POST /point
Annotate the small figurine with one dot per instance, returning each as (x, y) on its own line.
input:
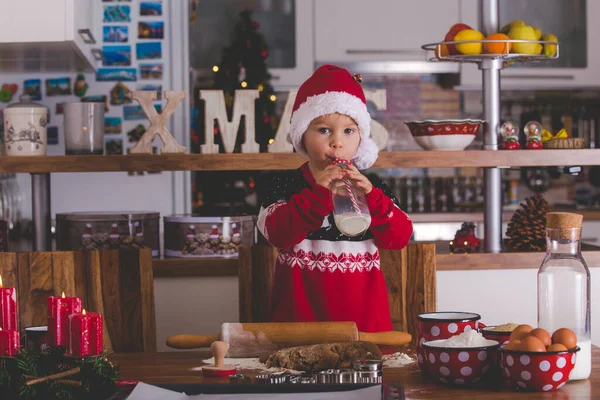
(80, 87)
(465, 240)
(510, 134)
(533, 133)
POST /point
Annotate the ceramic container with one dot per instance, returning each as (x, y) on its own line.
(25, 128)
(537, 371)
(195, 236)
(442, 325)
(108, 230)
(444, 134)
(460, 365)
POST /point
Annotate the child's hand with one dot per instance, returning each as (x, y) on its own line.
(359, 180)
(329, 174)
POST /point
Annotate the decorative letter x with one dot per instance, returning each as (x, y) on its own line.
(158, 121)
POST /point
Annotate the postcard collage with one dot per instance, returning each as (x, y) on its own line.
(134, 56)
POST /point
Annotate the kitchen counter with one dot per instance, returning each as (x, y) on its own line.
(176, 367)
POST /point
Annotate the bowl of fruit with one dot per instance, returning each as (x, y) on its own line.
(534, 360)
(451, 134)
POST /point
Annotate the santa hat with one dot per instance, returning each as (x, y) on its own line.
(330, 90)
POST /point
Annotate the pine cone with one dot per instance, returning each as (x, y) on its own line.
(527, 227)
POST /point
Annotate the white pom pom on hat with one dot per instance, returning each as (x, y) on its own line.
(331, 89)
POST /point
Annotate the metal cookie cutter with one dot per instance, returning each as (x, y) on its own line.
(368, 365)
(329, 376)
(369, 377)
(274, 378)
(239, 378)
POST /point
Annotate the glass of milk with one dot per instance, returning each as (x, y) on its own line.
(350, 211)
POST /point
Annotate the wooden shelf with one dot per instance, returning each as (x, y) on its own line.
(283, 161)
(184, 267)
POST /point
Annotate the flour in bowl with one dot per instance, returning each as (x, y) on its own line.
(471, 338)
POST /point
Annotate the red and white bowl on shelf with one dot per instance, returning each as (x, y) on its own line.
(451, 134)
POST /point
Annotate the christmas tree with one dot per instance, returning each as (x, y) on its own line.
(242, 66)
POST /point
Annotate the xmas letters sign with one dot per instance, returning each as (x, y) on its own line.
(158, 122)
(244, 105)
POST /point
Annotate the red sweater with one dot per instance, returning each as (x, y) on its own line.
(321, 274)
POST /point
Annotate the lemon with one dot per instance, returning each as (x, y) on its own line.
(550, 49)
(506, 28)
(523, 33)
(538, 33)
(469, 48)
(537, 49)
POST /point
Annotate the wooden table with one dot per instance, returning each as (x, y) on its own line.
(175, 367)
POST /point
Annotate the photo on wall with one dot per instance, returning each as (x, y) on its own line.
(116, 56)
(33, 88)
(148, 51)
(112, 125)
(113, 146)
(151, 30)
(150, 8)
(115, 34)
(116, 74)
(133, 113)
(152, 87)
(117, 13)
(151, 71)
(58, 86)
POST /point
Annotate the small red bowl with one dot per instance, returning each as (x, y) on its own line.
(444, 134)
(502, 337)
(537, 371)
(460, 365)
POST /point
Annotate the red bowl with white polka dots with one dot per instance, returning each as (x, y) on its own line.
(537, 371)
(466, 366)
(501, 336)
(443, 325)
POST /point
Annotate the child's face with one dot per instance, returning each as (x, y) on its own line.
(329, 137)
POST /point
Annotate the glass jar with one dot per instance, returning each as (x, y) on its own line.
(564, 287)
(350, 210)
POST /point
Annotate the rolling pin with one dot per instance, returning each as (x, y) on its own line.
(254, 339)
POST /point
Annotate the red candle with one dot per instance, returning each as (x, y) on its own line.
(59, 309)
(8, 308)
(85, 334)
(10, 342)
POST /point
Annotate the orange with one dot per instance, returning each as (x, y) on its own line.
(441, 50)
(497, 47)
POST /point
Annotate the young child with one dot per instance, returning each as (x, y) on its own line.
(322, 275)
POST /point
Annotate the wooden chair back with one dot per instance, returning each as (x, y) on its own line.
(409, 276)
(119, 284)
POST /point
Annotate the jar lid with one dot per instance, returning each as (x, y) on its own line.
(25, 102)
(563, 220)
(107, 215)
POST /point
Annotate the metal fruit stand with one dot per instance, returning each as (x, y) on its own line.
(490, 66)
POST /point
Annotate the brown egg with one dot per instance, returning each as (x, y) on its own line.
(513, 345)
(531, 343)
(566, 337)
(520, 332)
(557, 347)
(543, 335)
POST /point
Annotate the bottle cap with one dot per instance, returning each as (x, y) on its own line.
(565, 222)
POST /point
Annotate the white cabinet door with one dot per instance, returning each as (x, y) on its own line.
(32, 21)
(81, 28)
(530, 76)
(380, 30)
(291, 78)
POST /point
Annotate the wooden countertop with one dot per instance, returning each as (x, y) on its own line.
(175, 367)
(211, 267)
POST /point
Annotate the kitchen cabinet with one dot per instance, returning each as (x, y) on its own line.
(49, 36)
(380, 30)
(573, 21)
(287, 26)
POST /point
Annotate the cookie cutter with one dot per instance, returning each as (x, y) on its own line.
(368, 365)
(239, 378)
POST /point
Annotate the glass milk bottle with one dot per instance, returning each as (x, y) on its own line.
(350, 211)
(564, 287)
